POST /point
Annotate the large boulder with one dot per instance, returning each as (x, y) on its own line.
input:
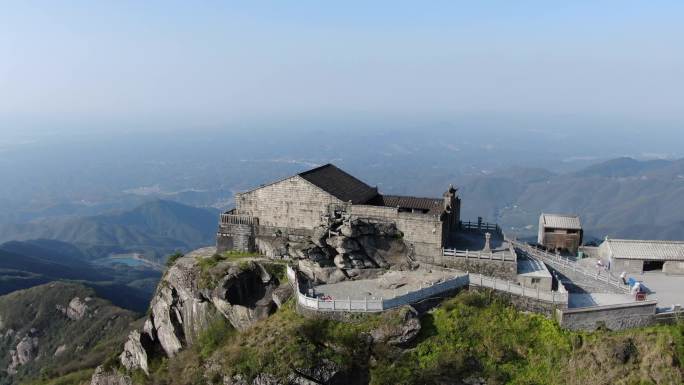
(320, 275)
(23, 353)
(76, 309)
(401, 329)
(272, 246)
(282, 294)
(134, 355)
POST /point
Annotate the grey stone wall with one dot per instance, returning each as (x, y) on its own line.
(422, 232)
(235, 237)
(292, 234)
(613, 317)
(541, 283)
(627, 265)
(523, 303)
(673, 267)
(507, 270)
(224, 242)
(293, 203)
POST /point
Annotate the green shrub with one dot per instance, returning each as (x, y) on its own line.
(214, 336)
(173, 258)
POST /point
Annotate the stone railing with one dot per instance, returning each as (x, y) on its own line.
(671, 314)
(501, 255)
(481, 226)
(559, 297)
(374, 304)
(562, 263)
(457, 281)
(233, 219)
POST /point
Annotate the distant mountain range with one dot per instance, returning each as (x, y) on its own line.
(36, 253)
(622, 197)
(155, 229)
(31, 263)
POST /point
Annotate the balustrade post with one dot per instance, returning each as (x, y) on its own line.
(537, 293)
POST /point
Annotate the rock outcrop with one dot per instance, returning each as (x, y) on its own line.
(134, 355)
(75, 310)
(400, 332)
(341, 249)
(23, 353)
(198, 290)
(104, 377)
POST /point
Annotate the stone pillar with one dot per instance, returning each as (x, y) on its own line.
(487, 246)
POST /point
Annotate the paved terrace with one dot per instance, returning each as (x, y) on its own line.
(666, 289)
(389, 285)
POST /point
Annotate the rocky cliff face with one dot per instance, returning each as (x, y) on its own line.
(198, 290)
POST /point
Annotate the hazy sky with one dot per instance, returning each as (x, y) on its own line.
(207, 63)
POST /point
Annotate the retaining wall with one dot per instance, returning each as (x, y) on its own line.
(523, 303)
(613, 317)
(507, 270)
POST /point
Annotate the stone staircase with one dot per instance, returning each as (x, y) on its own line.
(576, 278)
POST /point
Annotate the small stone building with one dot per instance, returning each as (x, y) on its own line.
(560, 232)
(297, 205)
(636, 256)
(534, 275)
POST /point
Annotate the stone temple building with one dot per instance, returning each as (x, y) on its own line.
(297, 205)
(637, 256)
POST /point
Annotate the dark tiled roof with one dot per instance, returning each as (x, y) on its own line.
(407, 202)
(340, 184)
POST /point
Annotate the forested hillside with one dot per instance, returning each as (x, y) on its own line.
(619, 198)
(56, 329)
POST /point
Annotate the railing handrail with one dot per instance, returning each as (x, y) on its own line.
(471, 279)
(513, 288)
(237, 219)
(501, 255)
(568, 263)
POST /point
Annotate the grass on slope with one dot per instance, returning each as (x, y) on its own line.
(284, 341)
(473, 335)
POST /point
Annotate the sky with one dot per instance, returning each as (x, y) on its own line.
(132, 65)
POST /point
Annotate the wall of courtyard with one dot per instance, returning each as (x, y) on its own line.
(613, 317)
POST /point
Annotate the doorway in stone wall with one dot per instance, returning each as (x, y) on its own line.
(653, 265)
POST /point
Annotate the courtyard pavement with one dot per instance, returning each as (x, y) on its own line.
(597, 299)
(388, 285)
(668, 290)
